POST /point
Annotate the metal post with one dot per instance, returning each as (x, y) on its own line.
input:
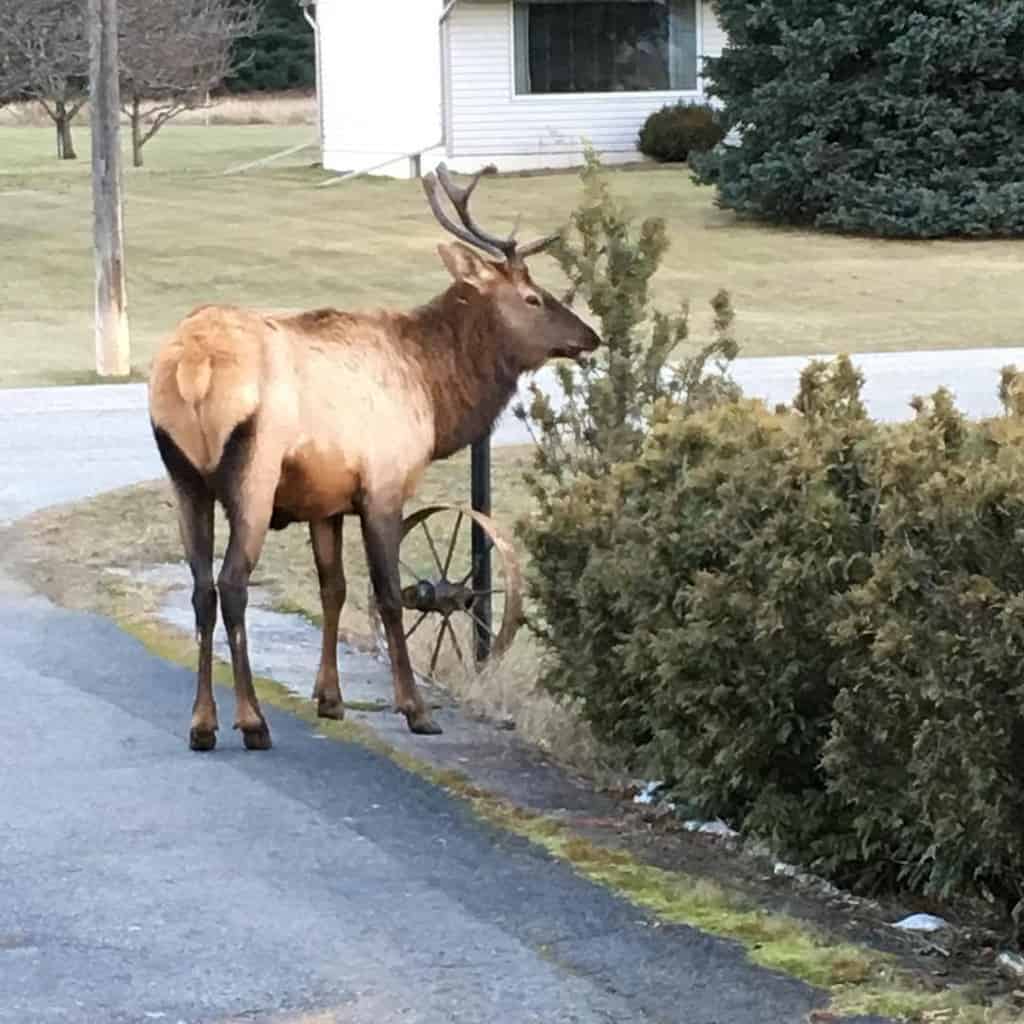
(480, 486)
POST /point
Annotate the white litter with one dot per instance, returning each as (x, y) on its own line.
(711, 828)
(647, 793)
(921, 923)
(1012, 964)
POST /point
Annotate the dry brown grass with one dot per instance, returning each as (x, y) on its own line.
(257, 108)
(89, 555)
(285, 108)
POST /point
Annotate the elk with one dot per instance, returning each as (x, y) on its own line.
(323, 414)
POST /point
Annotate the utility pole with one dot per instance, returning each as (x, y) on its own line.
(113, 349)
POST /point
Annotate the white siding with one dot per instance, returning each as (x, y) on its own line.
(381, 87)
(713, 34)
(486, 119)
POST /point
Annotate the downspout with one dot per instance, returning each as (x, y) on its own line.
(315, 26)
(448, 8)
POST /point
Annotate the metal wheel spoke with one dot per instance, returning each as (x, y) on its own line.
(416, 624)
(433, 546)
(480, 622)
(412, 572)
(437, 646)
(451, 547)
(455, 640)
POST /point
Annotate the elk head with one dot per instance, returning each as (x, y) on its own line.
(535, 325)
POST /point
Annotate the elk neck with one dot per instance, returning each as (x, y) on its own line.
(468, 365)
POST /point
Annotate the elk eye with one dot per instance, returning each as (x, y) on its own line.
(533, 300)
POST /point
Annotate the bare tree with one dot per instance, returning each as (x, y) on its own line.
(45, 58)
(173, 53)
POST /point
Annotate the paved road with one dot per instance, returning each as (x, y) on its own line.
(141, 882)
(103, 435)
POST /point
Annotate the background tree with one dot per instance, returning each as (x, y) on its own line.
(173, 54)
(279, 55)
(45, 48)
(893, 117)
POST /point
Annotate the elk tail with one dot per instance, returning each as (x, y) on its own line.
(193, 377)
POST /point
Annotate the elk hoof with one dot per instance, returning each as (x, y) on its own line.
(422, 724)
(330, 707)
(202, 739)
(257, 739)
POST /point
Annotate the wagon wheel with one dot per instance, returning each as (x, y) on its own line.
(440, 606)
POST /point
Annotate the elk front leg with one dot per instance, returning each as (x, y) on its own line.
(382, 535)
(325, 537)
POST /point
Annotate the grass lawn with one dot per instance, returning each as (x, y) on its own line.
(269, 238)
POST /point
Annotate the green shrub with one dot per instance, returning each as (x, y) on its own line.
(927, 744)
(670, 134)
(806, 621)
(889, 117)
(602, 423)
(703, 604)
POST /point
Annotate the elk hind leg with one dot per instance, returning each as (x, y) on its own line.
(382, 535)
(195, 521)
(325, 536)
(246, 480)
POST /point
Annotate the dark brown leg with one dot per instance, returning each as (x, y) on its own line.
(325, 536)
(195, 521)
(248, 479)
(382, 534)
(195, 518)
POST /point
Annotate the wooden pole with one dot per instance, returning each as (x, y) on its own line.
(113, 349)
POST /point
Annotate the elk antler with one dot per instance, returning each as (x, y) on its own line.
(504, 248)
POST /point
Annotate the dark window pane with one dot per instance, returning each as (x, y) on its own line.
(605, 46)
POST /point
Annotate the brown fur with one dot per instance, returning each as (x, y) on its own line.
(349, 401)
(310, 417)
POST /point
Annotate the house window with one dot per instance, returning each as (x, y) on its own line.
(605, 45)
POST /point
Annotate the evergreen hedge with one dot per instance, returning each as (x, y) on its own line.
(280, 55)
(890, 117)
(807, 621)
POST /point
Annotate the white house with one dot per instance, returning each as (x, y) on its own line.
(522, 84)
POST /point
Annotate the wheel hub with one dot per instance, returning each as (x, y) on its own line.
(438, 596)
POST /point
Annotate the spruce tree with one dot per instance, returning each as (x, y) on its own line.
(891, 117)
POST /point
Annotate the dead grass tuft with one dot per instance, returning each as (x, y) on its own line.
(284, 108)
(106, 541)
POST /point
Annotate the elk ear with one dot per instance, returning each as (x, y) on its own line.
(465, 265)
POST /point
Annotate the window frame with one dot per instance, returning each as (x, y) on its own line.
(563, 97)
